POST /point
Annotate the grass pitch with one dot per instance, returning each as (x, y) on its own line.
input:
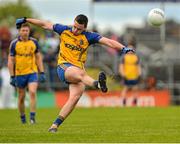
(95, 125)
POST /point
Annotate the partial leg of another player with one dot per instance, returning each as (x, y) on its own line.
(135, 89)
(32, 87)
(21, 106)
(123, 95)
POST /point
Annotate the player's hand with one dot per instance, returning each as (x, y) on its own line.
(42, 77)
(126, 49)
(13, 81)
(20, 21)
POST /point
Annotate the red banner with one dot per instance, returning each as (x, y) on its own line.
(113, 99)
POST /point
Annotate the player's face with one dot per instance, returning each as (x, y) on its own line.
(24, 32)
(130, 52)
(78, 28)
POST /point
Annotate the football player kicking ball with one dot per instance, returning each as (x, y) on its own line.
(75, 41)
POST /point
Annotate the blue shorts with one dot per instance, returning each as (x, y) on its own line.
(131, 82)
(23, 80)
(61, 71)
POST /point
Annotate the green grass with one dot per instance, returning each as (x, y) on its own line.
(95, 125)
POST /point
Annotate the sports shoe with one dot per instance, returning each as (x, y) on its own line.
(102, 82)
(53, 128)
(32, 121)
(23, 121)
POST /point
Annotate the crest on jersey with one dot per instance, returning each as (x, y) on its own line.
(81, 42)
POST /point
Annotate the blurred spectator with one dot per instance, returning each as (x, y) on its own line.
(7, 91)
(49, 45)
(151, 83)
(130, 70)
(5, 38)
(94, 28)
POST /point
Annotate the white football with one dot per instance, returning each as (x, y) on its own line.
(156, 17)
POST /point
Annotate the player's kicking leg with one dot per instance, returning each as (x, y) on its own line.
(76, 77)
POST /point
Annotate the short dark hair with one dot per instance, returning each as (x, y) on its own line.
(26, 25)
(82, 19)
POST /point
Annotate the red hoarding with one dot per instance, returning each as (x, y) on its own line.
(113, 99)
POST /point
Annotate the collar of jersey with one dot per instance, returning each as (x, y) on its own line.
(19, 38)
(72, 28)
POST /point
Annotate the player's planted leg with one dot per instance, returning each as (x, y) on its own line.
(23, 119)
(21, 105)
(75, 92)
(56, 124)
(32, 92)
(32, 117)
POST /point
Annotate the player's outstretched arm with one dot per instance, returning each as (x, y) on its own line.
(111, 43)
(44, 24)
(114, 44)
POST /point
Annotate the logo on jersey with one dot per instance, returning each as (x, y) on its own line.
(72, 47)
